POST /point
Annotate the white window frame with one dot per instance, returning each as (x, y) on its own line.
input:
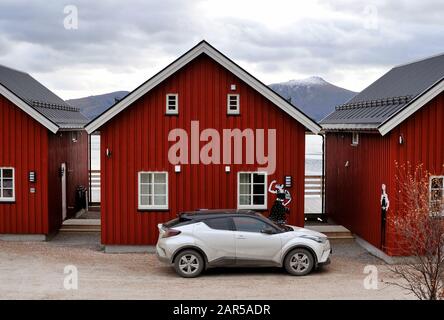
(431, 189)
(139, 195)
(237, 111)
(253, 206)
(176, 110)
(355, 138)
(2, 198)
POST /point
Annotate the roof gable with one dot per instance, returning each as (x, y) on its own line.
(392, 98)
(38, 101)
(204, 48)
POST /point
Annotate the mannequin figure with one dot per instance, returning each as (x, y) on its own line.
(279, 209)
(385, 204)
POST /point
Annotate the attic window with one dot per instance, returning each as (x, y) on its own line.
(233, 104)
(355, 139)
(172, 103)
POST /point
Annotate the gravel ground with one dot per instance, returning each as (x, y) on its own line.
(35, 270)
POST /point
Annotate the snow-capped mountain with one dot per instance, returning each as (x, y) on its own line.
(315, 96)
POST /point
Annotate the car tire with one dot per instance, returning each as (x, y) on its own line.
(189, 264)
(299, 262)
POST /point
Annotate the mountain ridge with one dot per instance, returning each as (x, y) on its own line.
(315, 96)
(93, 106)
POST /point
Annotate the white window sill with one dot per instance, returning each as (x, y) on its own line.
(152, 208)
(252, 207)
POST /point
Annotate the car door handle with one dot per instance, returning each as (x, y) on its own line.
(241, 237)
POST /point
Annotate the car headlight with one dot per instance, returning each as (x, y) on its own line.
(315, 238)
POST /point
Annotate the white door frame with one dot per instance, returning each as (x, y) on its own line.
(63, 181)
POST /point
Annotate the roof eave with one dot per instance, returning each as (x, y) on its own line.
(51, 126)
(349, 127)
(411, 108)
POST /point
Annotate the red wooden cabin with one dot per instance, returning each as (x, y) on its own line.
(203, 89)
(397, 119)
(39, 133)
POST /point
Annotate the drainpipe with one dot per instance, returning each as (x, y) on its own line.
(323, 179)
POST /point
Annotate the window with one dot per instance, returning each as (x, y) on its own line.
(437, 195)
(153, 190)
(252, 190)
(172, 103)
(249, 224)
(219, 223)
(7, 185)
(355, 138)
(233, 104)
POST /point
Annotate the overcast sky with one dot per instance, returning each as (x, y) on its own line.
(119, 44)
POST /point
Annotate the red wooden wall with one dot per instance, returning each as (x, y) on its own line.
(138, 140)
(353, 193)
(423, 136)
(75, 154)
(24, 146)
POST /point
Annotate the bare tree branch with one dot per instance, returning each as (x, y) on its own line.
(418, 227)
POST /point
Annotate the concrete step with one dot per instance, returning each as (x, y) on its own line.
(333, 232)
(81, 225)
(78, 230)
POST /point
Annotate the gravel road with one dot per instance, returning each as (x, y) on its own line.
(35, 270)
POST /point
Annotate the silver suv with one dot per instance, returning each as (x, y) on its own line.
(202, 239)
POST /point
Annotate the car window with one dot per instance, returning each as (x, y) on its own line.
(219, 223)
(249, 224)
(178, 222)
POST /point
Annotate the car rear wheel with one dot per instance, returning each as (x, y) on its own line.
(189, 264)
(299, 262)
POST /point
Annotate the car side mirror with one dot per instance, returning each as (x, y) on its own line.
(268, 230)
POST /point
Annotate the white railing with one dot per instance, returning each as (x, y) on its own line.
(94, 186)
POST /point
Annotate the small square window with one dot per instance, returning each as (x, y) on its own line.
(252, 190)
(153, 190)
(7, 185)
(172, 103)
(355, 138)
(233, 104)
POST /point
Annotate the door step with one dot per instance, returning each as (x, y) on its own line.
(333, 232)
(81, 225)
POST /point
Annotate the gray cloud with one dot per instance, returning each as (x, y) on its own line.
(127, 37)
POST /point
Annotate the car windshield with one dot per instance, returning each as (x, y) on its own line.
(282, 228)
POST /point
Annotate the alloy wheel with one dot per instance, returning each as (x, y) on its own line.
(299, 262)
(189, 264)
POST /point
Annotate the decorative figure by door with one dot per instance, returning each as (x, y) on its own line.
(279, 209)
(385, 204)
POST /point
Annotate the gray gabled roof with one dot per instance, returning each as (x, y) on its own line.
(41, 99)
(388, 96)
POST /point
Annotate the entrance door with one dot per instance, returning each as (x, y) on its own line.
(63, 177)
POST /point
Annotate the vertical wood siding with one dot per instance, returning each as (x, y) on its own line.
(138, 140)
(75, 154)
(24, 146)
(353, 194)
(423, 136)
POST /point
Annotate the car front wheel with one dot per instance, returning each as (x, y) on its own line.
(299, 262)
(189, 264)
